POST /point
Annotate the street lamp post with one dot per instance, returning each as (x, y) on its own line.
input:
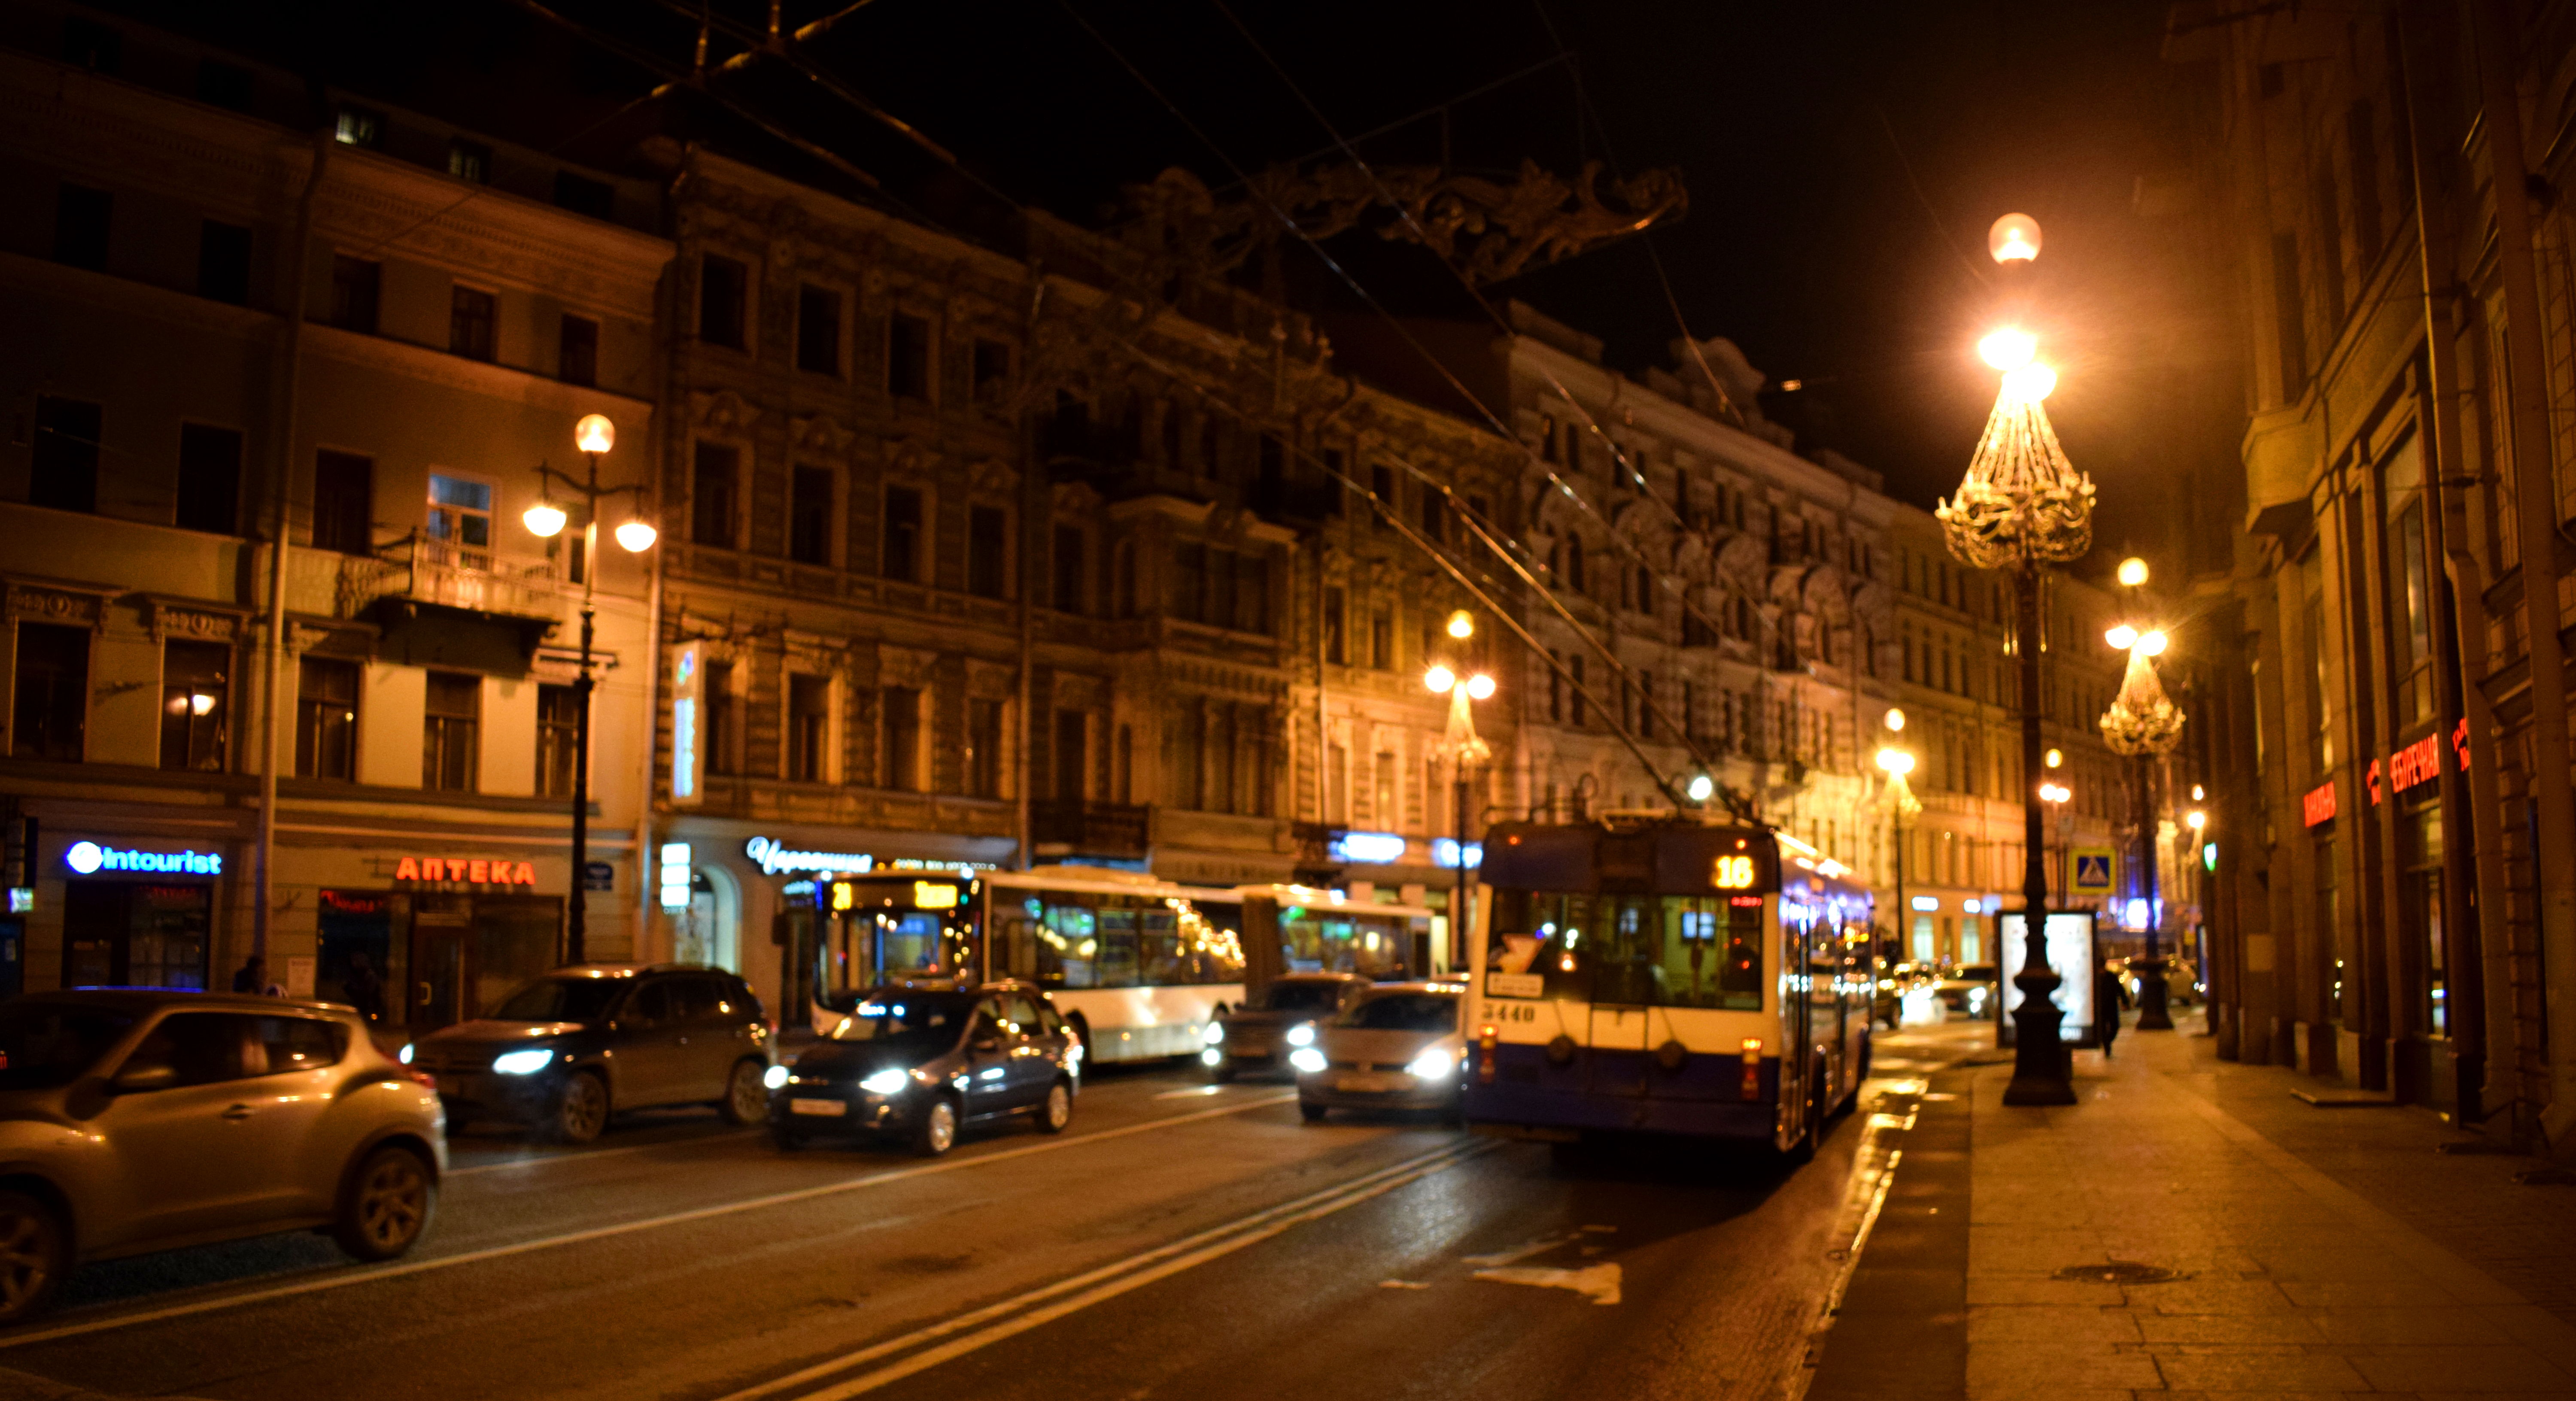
(2022, 507)
(1901, 804)
(2143, 723)
(1465, 750)
(595, 436)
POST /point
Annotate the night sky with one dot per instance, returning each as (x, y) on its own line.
(1843, 163)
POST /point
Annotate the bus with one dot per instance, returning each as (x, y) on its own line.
(1138, 965)
(1663, 975)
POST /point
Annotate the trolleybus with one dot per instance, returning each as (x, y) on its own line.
(1661, 975)
(1140, 966)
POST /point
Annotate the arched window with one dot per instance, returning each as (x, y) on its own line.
(1574, 565)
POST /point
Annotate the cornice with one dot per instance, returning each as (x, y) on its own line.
(472, 376)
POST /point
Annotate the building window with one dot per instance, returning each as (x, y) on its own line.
(326, 719)
(711, 495)
(722, 288)
(724, 711)
(992, 372)
(2289, 314)
(1336, 646)
(1382, 640)
(899, 756)
(1645, 726)
(209, 496)
(469, 323)
(223, 262)
(583, 195)
(577, 351)
(1070, 595)
(1385, 795)
(908, 358)
(65, 459)
(1382, 486)
(902, 556)
(1072, 756)
(449, 732)
(362, 127)
(818, 330)
(809, 727)
(984, 748)
(809, 515)
(1435, 516)
(81, 217)
(225, 85)
(460, 515)
(344, 502)
(470, 161)
(50, 711)
(988, 550)
(197, 715)
(1572, 579)
(558, 739)
(1577, 712)
(356, 292)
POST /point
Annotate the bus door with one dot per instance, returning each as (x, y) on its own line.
(1623, 955)
(1797, 1014)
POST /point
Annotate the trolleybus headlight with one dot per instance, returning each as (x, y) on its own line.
(1215, 1033)
(886, 1082)
(1302, 1034)
(775, 1077)
(521, 1062)
(1434, 1064)
(1308, 1060)
(1211, 1057)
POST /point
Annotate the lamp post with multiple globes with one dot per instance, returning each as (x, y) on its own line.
(1465, 750)
(2143, 724)
(595, 436)
(2021, 508)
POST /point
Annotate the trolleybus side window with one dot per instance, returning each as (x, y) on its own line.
(1640, 950)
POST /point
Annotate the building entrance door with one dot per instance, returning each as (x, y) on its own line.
(439, 927)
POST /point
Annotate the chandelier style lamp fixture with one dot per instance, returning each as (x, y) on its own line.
(2144, 724)
(2021, 508)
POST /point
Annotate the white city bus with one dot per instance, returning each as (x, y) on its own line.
(1658, 974)
(1140, 966)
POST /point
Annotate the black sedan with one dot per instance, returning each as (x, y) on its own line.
(919, 1064)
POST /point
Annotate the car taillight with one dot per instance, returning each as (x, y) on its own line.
(1486, 1039)
(1752, 1068)
(424, 1077)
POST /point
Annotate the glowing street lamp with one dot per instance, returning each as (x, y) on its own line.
(2133, 572)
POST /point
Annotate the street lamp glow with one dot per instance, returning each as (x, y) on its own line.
(637, 536)
(594, 433)
(2152, 643)
(1701, 786)
(2030, 383)
(1462, 625)
(1895, 720)
(1480, 687)
(545, 519)
(2013, 238)
(2122, 637)
(2197, 793)
(1439, 679)
(2197, 819)
(2133, 572)
(2055, 792)
(2009, 348)
(2056, 758)
(1896, 761)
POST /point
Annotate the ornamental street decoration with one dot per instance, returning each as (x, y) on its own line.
(2142, 719)
(2022, 502)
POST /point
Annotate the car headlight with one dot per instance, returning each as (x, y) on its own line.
(1214, 1034)
(1307, 1059)
(774, 1078)
(1434, 1064)
(1302, 1034)
(404, 1055)
(887, 1082)
(522, 1062)
(1211, 1057)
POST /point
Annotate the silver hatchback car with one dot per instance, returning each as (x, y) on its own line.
(135, 1121)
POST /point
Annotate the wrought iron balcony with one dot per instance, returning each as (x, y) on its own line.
(1069, 827)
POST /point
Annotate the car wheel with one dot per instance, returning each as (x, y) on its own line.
(746, 1100)
(937, 1131)
(35, 1253)
(386, 1205)
(1057, 1112)
(1314, 1113)
(581, 1109)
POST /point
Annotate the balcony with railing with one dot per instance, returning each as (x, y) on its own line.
(1071, 827)
(420, 569)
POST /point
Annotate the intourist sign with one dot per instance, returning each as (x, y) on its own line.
(479, 871)
(86, 858)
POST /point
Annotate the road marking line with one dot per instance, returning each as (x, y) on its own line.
(1194, 1092)
(1599, 1283)
(1124, 1277)
(589, 1156)
(366, 1275)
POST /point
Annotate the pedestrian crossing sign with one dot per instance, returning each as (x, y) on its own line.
(2092, 871)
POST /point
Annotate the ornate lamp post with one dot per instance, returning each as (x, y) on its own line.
(1901, 805)
(594, 435)
(2143, 723)
(1466, 751)
(2021, 508)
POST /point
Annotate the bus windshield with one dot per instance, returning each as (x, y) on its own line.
(1632, 950)
(887, 933)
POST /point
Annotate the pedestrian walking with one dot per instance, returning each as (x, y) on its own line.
(253, 977)
(2106, 1008)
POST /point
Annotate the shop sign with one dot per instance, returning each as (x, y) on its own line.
(675, 875)
(2317, 805)
(599, 876)
(2417, 763)
(471, 872)
(1445, 850)
(774, 857)
(22, 899)
(688, 736)
(88, 857)
(1369, 848)
(1926, 903)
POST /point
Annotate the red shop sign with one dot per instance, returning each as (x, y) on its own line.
(2420, 762)
(2318, 803)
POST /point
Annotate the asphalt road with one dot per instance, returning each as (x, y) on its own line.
(1181, 1241)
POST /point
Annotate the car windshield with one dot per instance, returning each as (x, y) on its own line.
(46, 1045)
(920, 1020)
(561, 1000)
(1287, 996)
(1405, 1011)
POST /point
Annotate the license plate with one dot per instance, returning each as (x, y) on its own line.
(829, 1108)
(1363, 1084)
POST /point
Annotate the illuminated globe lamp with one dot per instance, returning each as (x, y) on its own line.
(2143, 723)
(2014, 238)
(1465, 750)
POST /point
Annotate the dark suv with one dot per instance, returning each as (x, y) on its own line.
(567, 1050)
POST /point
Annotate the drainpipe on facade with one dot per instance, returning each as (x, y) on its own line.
(2468, 787)
(2535, 505)
(290, 357)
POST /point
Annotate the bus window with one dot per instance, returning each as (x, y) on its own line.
(1544, 934)
(1211, 944)
(1072, 937)
(1623, 952)
(1633, 950)
(1117, 964)
(1159, 952)
(1713, 953)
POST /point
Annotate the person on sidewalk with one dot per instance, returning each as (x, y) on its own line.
(2106, 1007)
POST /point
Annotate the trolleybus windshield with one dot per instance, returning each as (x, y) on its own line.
(1630, 950)
(891, 930)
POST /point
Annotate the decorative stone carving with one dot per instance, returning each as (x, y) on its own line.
(176, 620)
(721, 411)
(820, 433)
(36, 603)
